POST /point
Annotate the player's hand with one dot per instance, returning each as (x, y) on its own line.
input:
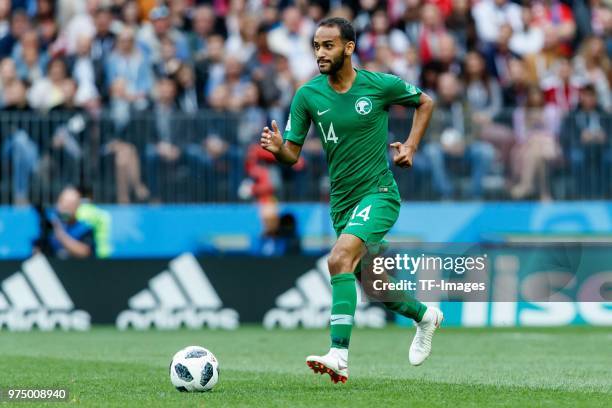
(403, 155)
(271, 139)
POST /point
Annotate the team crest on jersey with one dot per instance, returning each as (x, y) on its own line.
(363, 106)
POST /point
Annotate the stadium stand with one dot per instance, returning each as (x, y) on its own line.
(145, 101)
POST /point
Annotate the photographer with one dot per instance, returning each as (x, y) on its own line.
(61, 234)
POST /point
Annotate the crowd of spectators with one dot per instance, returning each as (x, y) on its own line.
(140, 86)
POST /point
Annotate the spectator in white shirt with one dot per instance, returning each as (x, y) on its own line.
(293, 40)
(81, 24)
(490, 15)
(85, 71)
(528, 40)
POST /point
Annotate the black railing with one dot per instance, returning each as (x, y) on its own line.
(213, 157)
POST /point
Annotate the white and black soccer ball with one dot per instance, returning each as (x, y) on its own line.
(194, 369)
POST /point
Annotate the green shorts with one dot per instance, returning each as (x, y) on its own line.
(371, 218)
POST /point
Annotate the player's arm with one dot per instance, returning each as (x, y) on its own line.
(286, 148)
(422, 114)
(286, 152)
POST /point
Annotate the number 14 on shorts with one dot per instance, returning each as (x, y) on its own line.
(364, 214)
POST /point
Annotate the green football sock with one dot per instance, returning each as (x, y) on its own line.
(410, 307)
(344, 302)
(404, 304)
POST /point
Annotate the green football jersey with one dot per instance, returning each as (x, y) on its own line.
(353, 129)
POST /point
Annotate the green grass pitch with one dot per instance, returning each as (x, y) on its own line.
(469, 367)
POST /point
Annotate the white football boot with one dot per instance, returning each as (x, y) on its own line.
(334, 363)
(420, 348)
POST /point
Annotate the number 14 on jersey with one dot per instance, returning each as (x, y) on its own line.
(330, 135)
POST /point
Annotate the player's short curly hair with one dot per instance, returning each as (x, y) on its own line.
(347, 32)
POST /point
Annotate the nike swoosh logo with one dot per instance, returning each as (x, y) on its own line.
(322, 113)
(350, 224)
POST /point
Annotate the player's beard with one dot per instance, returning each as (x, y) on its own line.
(335, 65)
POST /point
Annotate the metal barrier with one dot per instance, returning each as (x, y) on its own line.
(213, 157)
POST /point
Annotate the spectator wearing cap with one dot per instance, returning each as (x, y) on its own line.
(160, 26)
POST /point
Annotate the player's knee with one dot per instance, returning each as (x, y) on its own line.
(341, 261)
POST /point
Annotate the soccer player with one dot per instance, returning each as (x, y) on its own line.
(349, 108)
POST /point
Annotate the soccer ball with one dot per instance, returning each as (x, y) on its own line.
(194, 369)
